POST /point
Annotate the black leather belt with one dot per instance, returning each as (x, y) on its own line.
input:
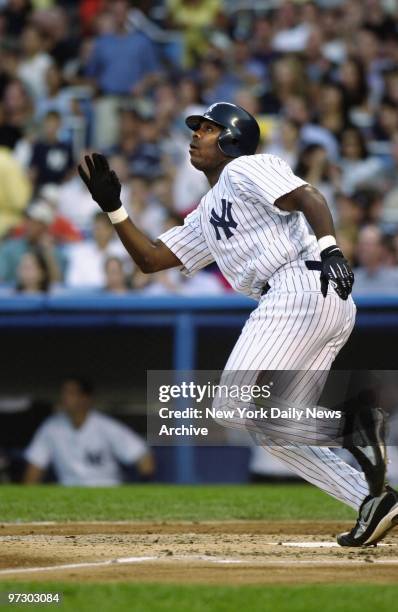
(310, 265)
(314, 265)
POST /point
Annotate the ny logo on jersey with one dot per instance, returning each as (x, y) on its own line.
(94, 457)
(225, 221)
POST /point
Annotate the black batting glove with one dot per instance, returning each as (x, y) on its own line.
(102, 182)
(336, 271)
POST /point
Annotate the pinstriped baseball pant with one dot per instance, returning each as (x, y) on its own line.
(295, 328)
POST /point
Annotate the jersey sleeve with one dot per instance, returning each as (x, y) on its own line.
(188, 244)
(264, 179)
(39, 451)
(127, 446)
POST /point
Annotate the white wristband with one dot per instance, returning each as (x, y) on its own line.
(326, 241)
(119, 215)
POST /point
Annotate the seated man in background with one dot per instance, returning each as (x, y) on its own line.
(84, 446)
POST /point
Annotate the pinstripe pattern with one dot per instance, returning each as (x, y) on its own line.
(293, 327)
(266, 241)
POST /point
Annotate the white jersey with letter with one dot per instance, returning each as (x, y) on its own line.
(238, 225)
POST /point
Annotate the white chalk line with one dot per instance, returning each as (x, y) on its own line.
(119, 561)
(188, 558)
(22, 524)
(72, 523)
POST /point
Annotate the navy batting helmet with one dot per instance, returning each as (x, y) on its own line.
(241, 133)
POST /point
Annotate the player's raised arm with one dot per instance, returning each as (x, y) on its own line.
(335, 268)
(104, 186)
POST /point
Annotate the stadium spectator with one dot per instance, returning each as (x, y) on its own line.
(165, 106)
(248, 99)
(189, 93)
(373, 274)
(115, 275)
(391, 85)
(332, 109)
(57, 99)
(9, 59)
(286, 142)
(38, 219)
(261, 42)
(15, 187)
(196, 19)
(122, 62)
(33, 274)
(62, 39)
(250, 71)
(390, 184)
(85, 261)
(76, 205)
(148, 211)
(368, 48)
(287, 80)
(358, 168)
(35, 62)
(83, 446)
(314, 167)
(216, 82)
(148, 159)
(371, 202)
(18, 106)
(128, 138)
(61, 229)
(291, 34)
(317, 65)
(52, 159)
(352, 76)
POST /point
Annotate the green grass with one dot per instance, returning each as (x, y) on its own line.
(168, 502)
(158, 502)
(175, 598)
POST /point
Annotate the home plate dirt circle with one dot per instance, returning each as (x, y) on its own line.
(230, 552)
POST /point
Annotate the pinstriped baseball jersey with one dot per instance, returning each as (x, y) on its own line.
(238, 225)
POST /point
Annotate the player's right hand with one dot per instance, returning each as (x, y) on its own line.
(337, 271)
(102, 182)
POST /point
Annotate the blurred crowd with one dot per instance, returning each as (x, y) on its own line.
(120, 77)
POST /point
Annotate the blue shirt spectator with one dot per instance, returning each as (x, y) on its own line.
(119, 62)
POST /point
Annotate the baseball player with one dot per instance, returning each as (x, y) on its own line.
(252, 222)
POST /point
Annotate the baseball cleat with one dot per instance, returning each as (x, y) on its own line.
(377, 515)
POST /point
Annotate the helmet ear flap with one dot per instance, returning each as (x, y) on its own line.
(228, 143)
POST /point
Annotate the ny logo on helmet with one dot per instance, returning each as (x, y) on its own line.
(225, 221)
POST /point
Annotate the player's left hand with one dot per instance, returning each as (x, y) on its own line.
(102, 182)
(337, 271)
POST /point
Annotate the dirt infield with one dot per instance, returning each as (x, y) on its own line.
(239, 552)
